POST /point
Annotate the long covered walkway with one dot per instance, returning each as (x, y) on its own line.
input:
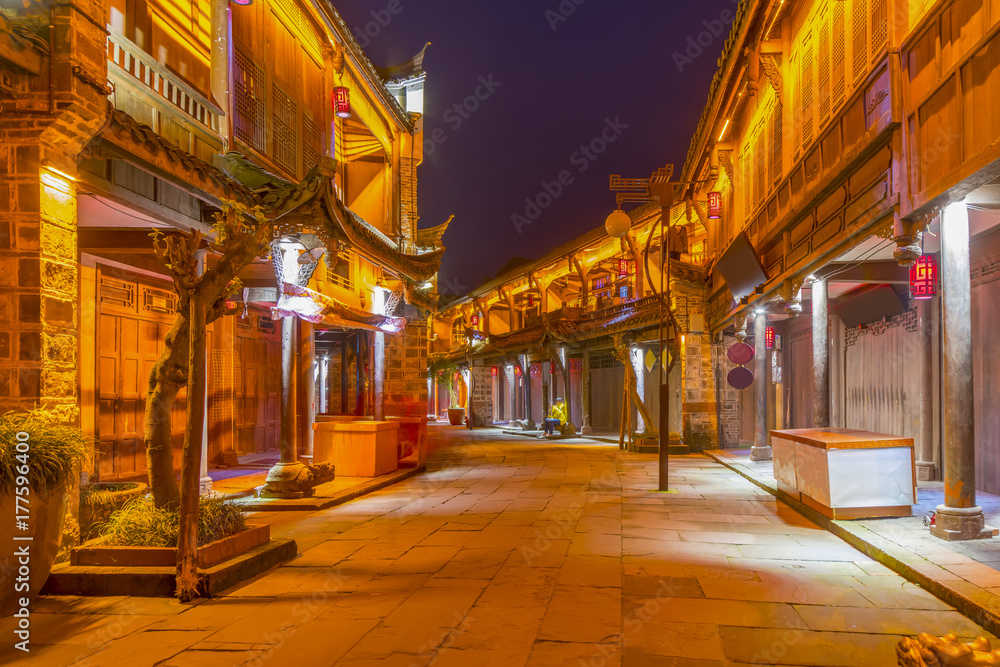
(513, 552)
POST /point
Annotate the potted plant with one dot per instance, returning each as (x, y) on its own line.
(40, 459)
(98, 502)
(443, 372)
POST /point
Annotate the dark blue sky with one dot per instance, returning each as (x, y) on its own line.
(550, 82)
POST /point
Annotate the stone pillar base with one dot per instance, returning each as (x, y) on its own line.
(926, 472)
(961, 523)
(587, 430)
(760, 453)
(205, 486)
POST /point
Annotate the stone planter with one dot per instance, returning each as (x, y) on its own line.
(456, 416)
(112, 497)
(208, 554)
(45, 515)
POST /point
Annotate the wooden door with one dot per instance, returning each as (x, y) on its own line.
(257, 386)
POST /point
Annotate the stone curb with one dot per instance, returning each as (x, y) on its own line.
(906, 564)
(315, 504)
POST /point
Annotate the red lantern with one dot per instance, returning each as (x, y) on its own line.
(923, 277)
(623, 268)
(474, 320)
(531, 301)
(714, 205)
(517, 371)
(493, 371)
(230, 305)
(243, 3)
(769, 338)
(342, 102)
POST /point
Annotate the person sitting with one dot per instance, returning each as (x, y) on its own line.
(556, 418)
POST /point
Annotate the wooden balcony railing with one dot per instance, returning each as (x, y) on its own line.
(145, 89)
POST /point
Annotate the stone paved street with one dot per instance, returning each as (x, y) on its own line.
(515, 552)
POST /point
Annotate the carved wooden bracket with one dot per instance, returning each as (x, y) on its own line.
(772, 68)
(726, 160)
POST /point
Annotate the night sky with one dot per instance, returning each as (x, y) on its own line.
(552, 76)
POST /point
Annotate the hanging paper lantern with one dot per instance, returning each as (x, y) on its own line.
(714, 205)
(923, 277)
(769, 338)
(618, 224)
(531, 301)
(517, 371)
(474, 320)
(493, 371)
(623, 268)
(342, 102)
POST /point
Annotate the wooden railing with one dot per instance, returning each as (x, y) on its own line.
(131, 67)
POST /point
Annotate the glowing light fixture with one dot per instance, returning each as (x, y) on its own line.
(342, 102)
(243, 3)
(517, 371)
(474, 319)
(923, 277)
(623, 268)
(714, 205)
(618, 223)
(493, 371)
(724, 128)
(769, 338)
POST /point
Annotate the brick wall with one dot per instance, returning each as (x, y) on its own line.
(406, 370)
(38, 252)
(408, 214)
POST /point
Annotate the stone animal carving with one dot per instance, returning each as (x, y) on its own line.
(929, 651)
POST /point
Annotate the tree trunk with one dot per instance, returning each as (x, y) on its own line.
(187, 539)
(165, 381)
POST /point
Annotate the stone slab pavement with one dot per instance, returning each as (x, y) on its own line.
(523, 552)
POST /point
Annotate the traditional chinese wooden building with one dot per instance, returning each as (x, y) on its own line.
(549, 329)
(855, 146)
(131, 116)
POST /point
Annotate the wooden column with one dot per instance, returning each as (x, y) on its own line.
(288, 389)
(760, 451)
(511, 393)
(564, 357)
(378, 359)
(205, 482)
(959, 518)
(585, 427)
(926, 467)
(359, 374)
(526, 376)
(821, 355)
(344, 367)
(306, 391)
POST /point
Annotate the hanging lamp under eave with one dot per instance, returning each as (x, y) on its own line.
(924, 277)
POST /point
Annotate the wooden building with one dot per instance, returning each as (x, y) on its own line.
(153, 123)
(848, 139)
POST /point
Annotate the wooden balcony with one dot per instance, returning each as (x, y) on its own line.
(155, 96)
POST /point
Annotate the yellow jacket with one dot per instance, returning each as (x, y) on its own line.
(558, 411)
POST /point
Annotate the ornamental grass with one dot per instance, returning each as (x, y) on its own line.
(49, 452)
(141, 524)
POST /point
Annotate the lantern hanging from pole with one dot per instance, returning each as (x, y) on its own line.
(531, 301)
(623, 268)
(243, 3)
(517, 371)
(769, 338)
(474, 319)
(342, 102)
(923, 277)
(618, 224)
(714, 205)
(493, 371)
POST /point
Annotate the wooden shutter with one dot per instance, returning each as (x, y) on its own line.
(249, 95)
(823, 67)
(837, 55)
(859, 24)
(760, 162)
(284, 129)
(806, 77)
(880, 27)
(777, 131)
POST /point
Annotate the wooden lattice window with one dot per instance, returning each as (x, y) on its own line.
(806, 78)
(249, 108)
(823, 73)
(880, 27)
(760, 163)
(860, 33)
(837, 50)
(312, 143)
(777, 132)
(285, 122)
(748, 179)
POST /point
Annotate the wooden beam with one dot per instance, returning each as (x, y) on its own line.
(883, 272)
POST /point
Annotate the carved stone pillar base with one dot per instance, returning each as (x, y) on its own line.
(961, 523)
(287, 480)
(760, 453)
(204, 486)
(587, 430)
